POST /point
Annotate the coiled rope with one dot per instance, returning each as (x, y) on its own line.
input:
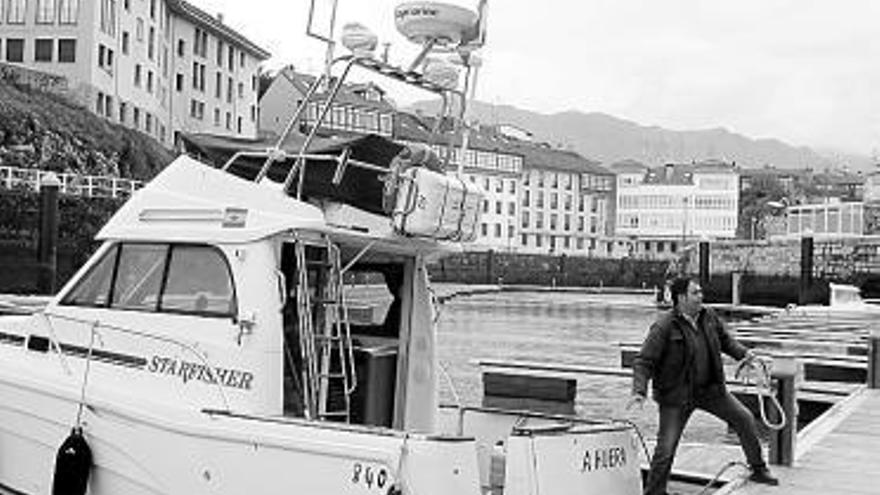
(763, 389)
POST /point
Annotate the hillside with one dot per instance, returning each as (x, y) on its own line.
(609, 139)
(46, 131)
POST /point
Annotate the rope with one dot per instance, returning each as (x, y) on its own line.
(452, 389)
(708, 485)
(718, 475)
(82, 392)
(763, 388)
(405, 486)
(128, 331)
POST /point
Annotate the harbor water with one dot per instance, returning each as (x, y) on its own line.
(556, 328)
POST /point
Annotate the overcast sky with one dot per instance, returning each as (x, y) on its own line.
(804, 71)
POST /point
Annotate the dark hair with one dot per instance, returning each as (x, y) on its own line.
(678, 287)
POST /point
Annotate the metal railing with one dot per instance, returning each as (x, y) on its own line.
(90, 186)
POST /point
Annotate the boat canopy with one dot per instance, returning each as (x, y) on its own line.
(335, 178)
(193, 202)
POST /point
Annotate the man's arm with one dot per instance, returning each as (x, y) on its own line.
(647, 358)
(729, 344)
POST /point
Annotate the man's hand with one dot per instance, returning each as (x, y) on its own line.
(752, 359)
(636, 401)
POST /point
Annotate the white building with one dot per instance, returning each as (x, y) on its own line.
(159, 66)
(658, 210)
(831, 218)
(566, 200)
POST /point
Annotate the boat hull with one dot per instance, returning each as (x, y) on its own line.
(164, 451)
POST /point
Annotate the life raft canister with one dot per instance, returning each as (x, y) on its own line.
(72, 465)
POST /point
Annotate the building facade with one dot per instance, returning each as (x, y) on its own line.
(158, 66)
(565, 202)
(658, 210)
(357, 109)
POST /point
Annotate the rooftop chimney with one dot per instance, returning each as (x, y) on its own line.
(668, 169)
(220, 17)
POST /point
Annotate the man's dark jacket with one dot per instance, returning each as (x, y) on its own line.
(667, 356)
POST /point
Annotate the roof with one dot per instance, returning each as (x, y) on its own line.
(678, 174)
(195, 14)
(193, 202)
(628, 166)
(410, 127)
(537, 155)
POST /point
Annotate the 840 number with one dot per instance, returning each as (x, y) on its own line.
(369, 476)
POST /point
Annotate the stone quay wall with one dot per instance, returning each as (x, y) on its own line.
(547, 270)
(849, 260)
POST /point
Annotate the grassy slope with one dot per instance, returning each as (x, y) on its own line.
(67, 137)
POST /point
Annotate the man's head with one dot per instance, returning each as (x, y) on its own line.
(687, 295)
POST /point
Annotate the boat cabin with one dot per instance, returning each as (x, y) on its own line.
(229, 294)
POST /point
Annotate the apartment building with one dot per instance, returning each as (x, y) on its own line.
(566, 200)
(159, 66)
(660, 209)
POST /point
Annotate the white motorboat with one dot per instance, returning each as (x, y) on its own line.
(208, 347)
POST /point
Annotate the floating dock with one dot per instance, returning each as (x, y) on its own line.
(836, 454)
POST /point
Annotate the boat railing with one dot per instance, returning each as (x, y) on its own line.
(95, 325)
(297, 171)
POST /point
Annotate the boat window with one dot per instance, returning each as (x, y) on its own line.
(94, 288)
(198, 282)
(177, 278)
(139, 276)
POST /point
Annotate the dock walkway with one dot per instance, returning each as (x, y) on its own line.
(838, 454)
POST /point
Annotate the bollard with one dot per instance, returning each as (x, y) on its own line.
(806, 281)
(704, 265)
(874, 358)
(490, 266)
(782, 442)
(47, 244)
(735, 287)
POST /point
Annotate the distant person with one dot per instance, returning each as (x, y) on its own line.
(682, 357)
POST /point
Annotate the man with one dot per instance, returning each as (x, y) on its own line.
(682, 357)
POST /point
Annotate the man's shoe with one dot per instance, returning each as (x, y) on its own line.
(762, 475)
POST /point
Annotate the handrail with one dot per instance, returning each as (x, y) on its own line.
(91, 186)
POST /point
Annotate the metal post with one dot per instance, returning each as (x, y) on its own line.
(806, 281)
(874, 358)
(704, 265)
(735, 287)
(47, 245)
(490, 268)
(782, 442)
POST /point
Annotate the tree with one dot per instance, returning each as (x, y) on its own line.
(756, 202)
(264, 82)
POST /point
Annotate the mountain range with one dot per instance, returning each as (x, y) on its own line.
(608, 139)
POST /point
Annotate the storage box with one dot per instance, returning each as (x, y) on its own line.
(440, 206)
(376, 364)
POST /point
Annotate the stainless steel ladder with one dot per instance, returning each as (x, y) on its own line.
(325, 339)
